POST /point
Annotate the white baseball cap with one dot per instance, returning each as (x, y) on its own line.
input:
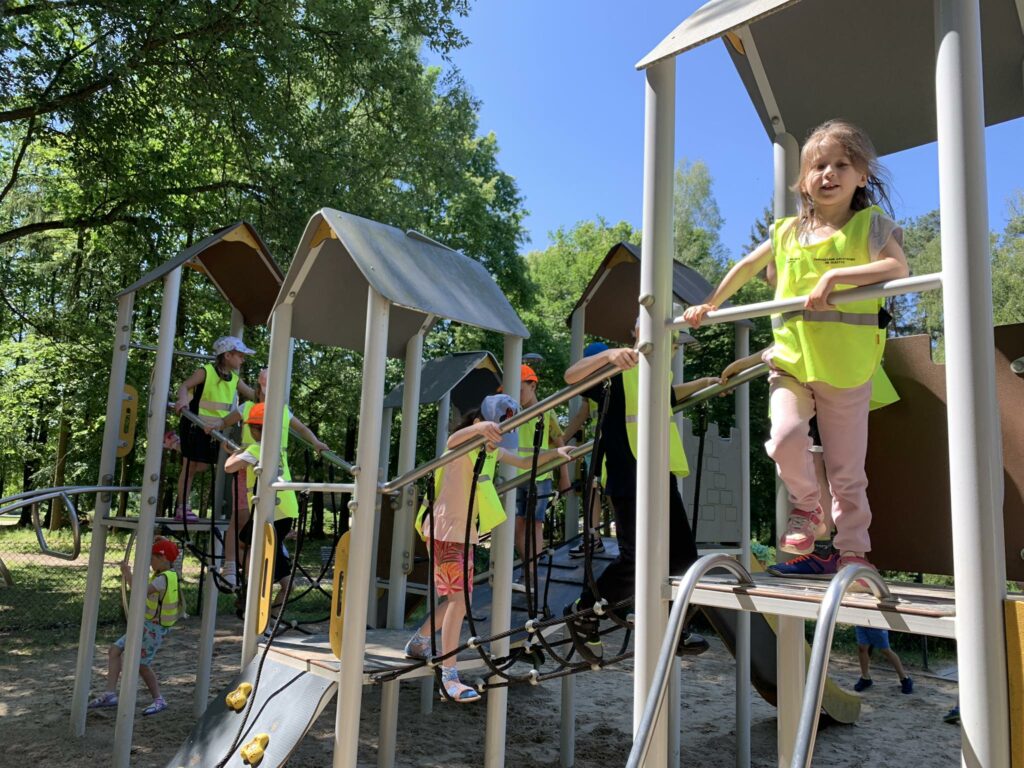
(230, 344)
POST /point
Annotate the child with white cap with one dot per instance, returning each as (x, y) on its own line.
(446, 531)
(210, 393)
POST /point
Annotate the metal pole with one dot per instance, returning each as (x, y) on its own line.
(401, 540)
(567, 729)
(502, 543)
(98, 547)
(790, 655)
(444, 415)
(278, 387)
(743, 693)
(147, 514)
(387, 420)
(975, 455)
(350, 673)
(652, 493)
(572, 501)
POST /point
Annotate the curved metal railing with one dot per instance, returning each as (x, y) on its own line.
(666, 656)
(803, 748)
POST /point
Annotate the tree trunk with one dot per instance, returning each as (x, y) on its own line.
(57, 505)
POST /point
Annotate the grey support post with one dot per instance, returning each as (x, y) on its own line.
(444, 408)
(144, 538)
(652, 500)
(791, 657)
(350, 673)
(974, 437)
(502, 543)
(278, 387)
(401, 539)
(98, 547)
(387, 421)
(743, 692)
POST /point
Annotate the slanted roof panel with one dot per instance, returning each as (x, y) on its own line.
(469, 376)
(612, 294)
(341, 255)
(238, 264)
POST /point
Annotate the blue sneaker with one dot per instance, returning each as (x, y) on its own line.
(907, 684)
(863, 684)
(953, 716)
(810, 566)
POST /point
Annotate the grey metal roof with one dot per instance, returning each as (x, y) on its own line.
(469, 376)
(341, 255)
(612, 302)
(238, 264)
(884, 78)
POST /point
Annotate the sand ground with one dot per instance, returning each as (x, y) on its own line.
(36, 686)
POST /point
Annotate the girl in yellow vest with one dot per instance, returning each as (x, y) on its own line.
(210, 392)
(163, 607)
(825, 355)
(453, 556)
(240, 518)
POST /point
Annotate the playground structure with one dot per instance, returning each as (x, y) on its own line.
(342, 259)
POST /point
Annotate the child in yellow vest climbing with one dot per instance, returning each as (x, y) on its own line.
(210, 393)
(286, 511)
(163, 607)
(824, 355)
(444, 529)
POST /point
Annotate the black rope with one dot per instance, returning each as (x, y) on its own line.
(702, 425)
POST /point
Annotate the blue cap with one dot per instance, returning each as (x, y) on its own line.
(497, 408)
(594, 348)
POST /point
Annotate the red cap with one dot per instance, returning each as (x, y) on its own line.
(526, 373)
(166, 548)
(256, 415)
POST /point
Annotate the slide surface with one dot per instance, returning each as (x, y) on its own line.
(284, 706)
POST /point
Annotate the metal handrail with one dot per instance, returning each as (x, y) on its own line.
(803, 748)
(700, 396)
(666, 656)
(45, 494)
(914, 284)
(525, 415)
(215, 433)
(76, 544)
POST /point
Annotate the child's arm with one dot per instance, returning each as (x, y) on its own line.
(564, 485)
(238, 461)
(576, 422)
(307, 434)
(228, 421)
(622, 357)
(687, 388)
(738, 366)
(197, 379)
(736, 278)
(246, 391)
(157, 586)
(891, 264)
(488, 429)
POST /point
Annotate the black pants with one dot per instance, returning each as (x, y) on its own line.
(618, 581)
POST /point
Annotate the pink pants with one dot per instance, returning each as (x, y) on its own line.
(843, 426)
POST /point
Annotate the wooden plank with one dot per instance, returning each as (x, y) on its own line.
(1014, 609)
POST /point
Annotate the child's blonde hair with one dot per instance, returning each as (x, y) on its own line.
(862, 154)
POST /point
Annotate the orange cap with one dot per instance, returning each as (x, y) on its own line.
(256, 415)
(526, 373)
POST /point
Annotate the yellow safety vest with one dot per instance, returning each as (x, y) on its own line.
(631, 387)
(164, 609)
(883, 393)
(843, 346)
(247, 438)
(525, 435)
(487, 507)
(218, 396)
(287, 503)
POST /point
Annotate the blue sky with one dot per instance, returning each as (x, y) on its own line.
(558, 86)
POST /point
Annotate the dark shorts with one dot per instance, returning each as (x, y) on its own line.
(876, 638)
(543, 498)
(196, 444)
(282, 560)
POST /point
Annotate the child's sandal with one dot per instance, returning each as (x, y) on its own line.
(459, 692)
(158, 705)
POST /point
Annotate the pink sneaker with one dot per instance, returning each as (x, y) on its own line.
(860, 585)
(186, 515)
(802, 529)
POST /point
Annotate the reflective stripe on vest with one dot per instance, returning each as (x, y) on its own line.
(526, 440)
(164, 609)
(487, 507)
(631, 388)
(218, 395)
(286, 502)
(841, 347)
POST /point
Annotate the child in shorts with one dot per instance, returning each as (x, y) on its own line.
(867, 639)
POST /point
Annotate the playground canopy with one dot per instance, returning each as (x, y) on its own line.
(237, 263)
(468, 376)
(785, 50)
(342, 255)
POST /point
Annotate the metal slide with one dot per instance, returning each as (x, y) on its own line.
(283, 706)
